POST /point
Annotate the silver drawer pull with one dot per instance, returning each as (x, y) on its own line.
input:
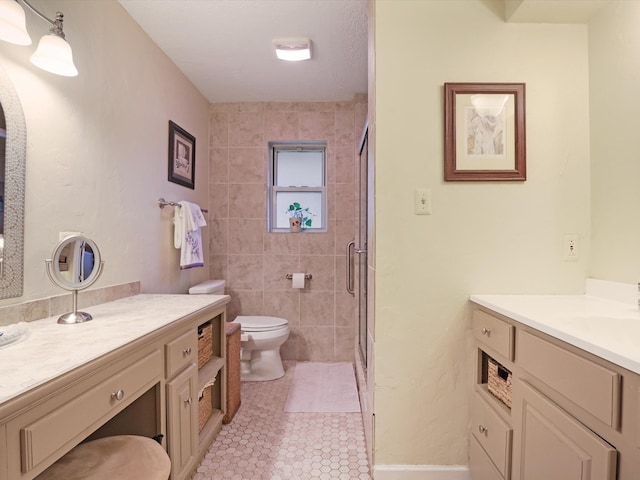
(188, 401)
(187, 351)
(485, 331)
(119, 395)
(482, 429)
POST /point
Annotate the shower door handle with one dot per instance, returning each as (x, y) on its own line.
(351, 244)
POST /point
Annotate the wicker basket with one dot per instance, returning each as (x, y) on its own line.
(205, 408)
(205, 344)
(499, 381)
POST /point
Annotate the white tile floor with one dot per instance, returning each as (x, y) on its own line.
(265, 443)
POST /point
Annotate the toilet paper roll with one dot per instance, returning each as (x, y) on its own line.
(297, 280)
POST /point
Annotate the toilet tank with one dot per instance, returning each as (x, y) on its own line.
(208, 287)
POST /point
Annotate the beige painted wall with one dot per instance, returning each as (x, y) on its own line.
(97, 148)
(614, 63)
(482, 237)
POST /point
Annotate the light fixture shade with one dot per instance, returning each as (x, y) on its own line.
(293, 49)
(13, 28)
(54, 55)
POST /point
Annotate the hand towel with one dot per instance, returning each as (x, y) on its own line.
(187, 220)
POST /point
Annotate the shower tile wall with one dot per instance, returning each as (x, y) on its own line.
(254, 262)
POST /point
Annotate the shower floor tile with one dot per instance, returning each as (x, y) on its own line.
(265, 443)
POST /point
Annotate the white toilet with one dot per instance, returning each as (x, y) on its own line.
(260, 340)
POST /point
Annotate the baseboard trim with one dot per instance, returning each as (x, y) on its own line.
(421, 472)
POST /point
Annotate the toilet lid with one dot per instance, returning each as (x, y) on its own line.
(260, 323)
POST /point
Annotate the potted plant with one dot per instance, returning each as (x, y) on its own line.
(299, 217)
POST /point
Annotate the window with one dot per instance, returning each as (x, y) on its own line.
(297, 186)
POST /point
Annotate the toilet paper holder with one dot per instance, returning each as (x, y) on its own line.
(307, 276)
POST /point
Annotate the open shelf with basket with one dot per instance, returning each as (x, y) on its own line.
(211, 377)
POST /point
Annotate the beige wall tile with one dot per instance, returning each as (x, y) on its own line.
(319, 243)
(250, 251)
(322, 267)
(246, 129)
(284, 243)
(316, 308)
(245, 236)
(219, 130)
(346, 200)
(316, 126)
(346, 309)
(247, 200)
(276, 267)
(281, 125)
(245, 272)
(315, 343)
(218, 200)
(284, 304)
(218, 268)
(345, 164)
(345, 120)
(244, 302)
(219, 165)
(248, 165)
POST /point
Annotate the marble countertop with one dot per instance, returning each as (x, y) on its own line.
(605, 325)
(49, 349)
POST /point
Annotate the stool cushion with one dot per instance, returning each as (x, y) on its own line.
(122, 457)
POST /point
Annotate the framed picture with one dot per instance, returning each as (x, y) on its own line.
(182, 156)
(484, 131)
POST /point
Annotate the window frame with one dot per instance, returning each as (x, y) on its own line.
(273, 190)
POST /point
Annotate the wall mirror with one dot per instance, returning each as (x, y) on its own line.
(76, 264)
(13, 141)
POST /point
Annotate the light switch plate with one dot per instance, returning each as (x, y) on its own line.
(422, 201)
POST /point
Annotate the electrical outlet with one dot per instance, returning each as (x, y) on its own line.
(570, 250)
(63, 235)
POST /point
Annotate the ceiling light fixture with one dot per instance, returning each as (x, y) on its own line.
(293, 49)
(53, 53)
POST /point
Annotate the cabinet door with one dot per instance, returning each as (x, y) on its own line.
(182, 422)
(553, 445)
(479, 464)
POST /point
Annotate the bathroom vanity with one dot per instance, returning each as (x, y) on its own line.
(133, 369)
(570, 368)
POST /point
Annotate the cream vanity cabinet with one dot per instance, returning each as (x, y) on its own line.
(182, 413)
(573, 415)
(147, 386)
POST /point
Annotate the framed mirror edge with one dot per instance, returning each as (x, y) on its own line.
(12, 278)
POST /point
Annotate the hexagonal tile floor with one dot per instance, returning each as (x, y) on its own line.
(264, 443)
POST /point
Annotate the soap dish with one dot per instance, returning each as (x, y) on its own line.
(12, 333)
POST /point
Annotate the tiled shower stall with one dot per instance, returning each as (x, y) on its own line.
(253, 261)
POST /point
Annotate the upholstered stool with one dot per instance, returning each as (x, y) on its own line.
(122, 457)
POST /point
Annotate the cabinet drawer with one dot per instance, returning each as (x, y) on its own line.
(492, 433)
(63, 427)
(494, 333)
(587, 384)
(181, 351)
(479, 463)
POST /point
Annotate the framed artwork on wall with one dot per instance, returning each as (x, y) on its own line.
(182, 156)
(484, 132)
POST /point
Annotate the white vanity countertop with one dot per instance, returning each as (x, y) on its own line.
(50, 349)
(604, 326)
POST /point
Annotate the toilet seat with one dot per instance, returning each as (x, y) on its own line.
(250, 323)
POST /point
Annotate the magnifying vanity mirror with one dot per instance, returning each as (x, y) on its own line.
(75, 265)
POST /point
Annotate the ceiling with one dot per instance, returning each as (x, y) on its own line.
(225, 46)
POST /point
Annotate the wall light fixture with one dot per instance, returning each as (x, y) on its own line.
(53, 53)
(293, 49)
